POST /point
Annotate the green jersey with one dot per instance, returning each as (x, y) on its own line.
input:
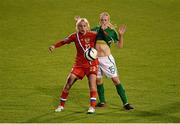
(108, 35)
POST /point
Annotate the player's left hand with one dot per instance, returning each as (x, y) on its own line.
(122, 29)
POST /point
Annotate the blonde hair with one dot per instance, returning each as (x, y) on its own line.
(106, 14)
(78, 20)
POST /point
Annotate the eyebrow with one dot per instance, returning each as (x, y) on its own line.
(104, 19)
(82, 25)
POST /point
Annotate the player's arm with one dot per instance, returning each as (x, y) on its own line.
(121, 32)
(59, 44)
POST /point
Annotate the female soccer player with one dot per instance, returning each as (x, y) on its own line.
(83, 39)
(107, 35)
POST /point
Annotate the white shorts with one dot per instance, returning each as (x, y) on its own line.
(107, 66)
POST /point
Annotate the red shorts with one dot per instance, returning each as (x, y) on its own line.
(80, 72)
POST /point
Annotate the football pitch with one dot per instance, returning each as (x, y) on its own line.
(31, 78)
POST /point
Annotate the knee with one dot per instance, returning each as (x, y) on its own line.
(98, 81)
(92, 82)
(115, 80)
(93, 89)
(70, 81)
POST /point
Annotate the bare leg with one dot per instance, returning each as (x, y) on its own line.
(115, 80)
(69, 82)
(92, 82)
(99, 81)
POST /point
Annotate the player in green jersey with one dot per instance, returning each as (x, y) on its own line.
(107, 66)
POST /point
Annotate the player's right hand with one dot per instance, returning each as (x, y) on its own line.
(51, 48)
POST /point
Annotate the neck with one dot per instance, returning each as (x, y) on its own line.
(82, 33)
(104, 27)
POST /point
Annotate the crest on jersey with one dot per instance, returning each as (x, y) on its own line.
(87, 40)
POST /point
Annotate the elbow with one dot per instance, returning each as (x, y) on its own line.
(120, 46)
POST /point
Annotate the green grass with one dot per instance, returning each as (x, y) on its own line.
(31, 78)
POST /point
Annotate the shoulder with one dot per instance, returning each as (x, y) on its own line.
(72, 36)
(92, 33)
(96, 28)
(112, 30)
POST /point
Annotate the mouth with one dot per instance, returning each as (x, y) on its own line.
(82, 31)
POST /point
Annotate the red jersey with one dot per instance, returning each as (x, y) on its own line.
(88, 40)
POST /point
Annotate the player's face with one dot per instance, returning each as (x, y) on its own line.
(104, 20)
(82, 27)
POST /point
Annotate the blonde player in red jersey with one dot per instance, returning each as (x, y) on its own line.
(83, 39)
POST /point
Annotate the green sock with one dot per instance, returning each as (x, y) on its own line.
(100, 89)
(122, 94)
